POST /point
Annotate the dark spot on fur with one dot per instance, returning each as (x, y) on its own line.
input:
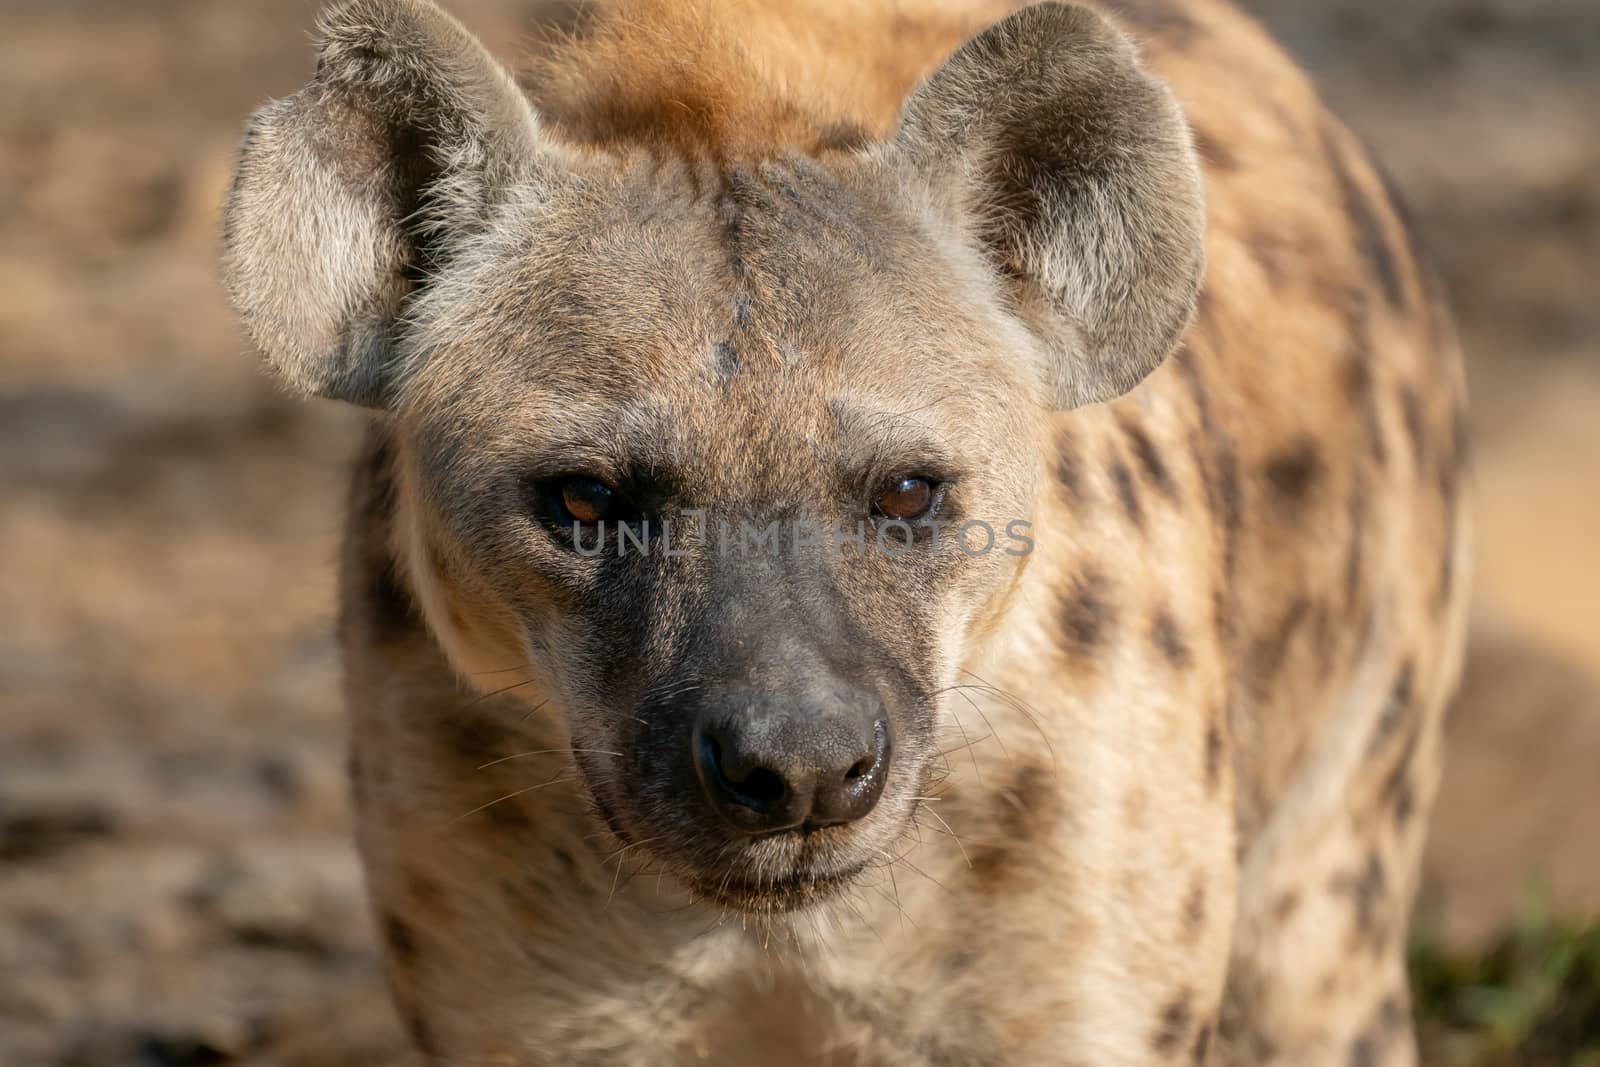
(1451, 470)
(1217, 459)
(1366, 224)
(725, 360)
(1397, 709)
(1067, 470)
(1355, 556)
(1230, 504)
(1421, 262)
(1194, 909)
(1388, 1024)
(508, 815)
(1274, 256)
(1215, 154)
(429, 896)
(1372, 426)
(1155, 468)
(1269, 651)
(1202, 1047)
(1368, 890)
(421, 1034)
(1396, 790)
(1356, 372)
(1293, 473)
(1122, 478)
(356, 775)
(1357, 376)
(1411, 411)
(477, 738)
(1285, 906)
(1164, 634)
(1027, 809)
(1324, 641)
(402, 944)
(1213, 758)
(1086, 614)
(1173, 1026)
(1403, 802)
(568, 862)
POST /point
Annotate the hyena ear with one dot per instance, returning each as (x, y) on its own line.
(1077, 171)
(351, 192)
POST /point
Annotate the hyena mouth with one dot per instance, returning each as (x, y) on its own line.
(794, 891)
(741, 883)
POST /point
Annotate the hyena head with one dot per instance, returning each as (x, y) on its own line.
(733, 451)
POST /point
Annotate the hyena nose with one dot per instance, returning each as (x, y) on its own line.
(763, 776)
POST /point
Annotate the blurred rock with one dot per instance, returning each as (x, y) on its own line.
(30, 831)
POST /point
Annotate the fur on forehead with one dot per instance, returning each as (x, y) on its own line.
(780, 277)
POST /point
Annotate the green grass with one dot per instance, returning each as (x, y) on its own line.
(1531, 1000)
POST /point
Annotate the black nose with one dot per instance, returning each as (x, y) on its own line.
(764, 775)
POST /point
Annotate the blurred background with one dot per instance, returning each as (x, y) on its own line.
(177, 883)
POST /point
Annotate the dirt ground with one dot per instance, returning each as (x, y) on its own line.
(176, 881)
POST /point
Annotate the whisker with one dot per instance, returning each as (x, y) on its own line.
(904, 918)
(978, 773)
(953, 834)
(502, 670)
(918, 870)
(518, 793)
(616, 878)
(548, 752)
(1027, 710)
(992, 732)
(495, 693)
(532, 711)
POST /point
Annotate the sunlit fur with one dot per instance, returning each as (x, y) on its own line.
(1158, 787)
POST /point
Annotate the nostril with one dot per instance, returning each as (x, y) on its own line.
(855, 791)
(763, 786)
(758, 787)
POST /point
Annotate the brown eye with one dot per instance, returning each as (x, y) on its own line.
(588, 502)
(906, 499)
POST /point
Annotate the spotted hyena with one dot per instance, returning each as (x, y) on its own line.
(1090, 436)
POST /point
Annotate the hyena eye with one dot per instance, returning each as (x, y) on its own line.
(587, 502)
(906, 499)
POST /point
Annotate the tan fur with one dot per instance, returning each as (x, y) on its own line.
(1168, 804)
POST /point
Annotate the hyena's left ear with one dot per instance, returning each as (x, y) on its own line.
(1077, 170)
(350, 194)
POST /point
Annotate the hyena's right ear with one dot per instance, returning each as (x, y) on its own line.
(362, 183)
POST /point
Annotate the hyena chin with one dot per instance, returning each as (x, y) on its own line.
(882, 535)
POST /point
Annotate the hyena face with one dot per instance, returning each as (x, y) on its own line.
(736, 454)
(733, 467)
